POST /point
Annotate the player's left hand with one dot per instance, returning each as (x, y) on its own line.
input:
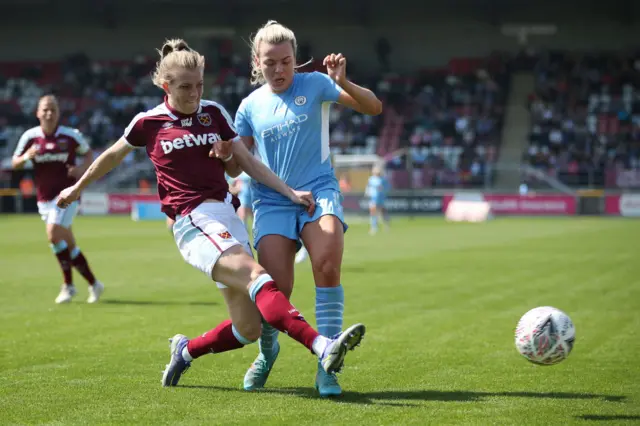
(336, 67)
(221, 150)
(74, 172)
(68, 196)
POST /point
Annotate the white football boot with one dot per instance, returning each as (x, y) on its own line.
(66, 293)
(95, 291)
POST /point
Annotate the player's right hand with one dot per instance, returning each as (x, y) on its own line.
(68, 196)
(306, 199)
(31, 152)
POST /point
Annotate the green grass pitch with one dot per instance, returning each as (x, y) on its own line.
(440, 301)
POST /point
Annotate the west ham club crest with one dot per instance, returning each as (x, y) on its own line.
(204, 119)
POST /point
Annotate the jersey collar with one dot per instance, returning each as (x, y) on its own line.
(55, 133)
(178, 113)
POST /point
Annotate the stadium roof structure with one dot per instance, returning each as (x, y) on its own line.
(234, 11)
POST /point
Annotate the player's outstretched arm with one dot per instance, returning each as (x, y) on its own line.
(106, 162)
(262, 174)
(355, 97)
(78, 171)
(359, 99)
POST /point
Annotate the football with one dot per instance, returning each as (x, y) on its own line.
(545, 335)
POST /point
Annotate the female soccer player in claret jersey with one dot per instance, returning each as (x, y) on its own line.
(178, 135)
(287, 120)
(53, 150)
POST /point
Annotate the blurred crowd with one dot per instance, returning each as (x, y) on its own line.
(585, 115)
(98, 97)
(451, 122)
(441, 127)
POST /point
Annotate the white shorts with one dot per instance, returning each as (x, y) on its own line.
(53, 214)
(207, 232)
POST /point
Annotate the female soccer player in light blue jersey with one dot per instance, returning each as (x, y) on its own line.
(287, 120)
(377, 188)
(241, 187)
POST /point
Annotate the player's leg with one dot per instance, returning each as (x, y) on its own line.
(60, 249)
(245, 325)
(242, 329)
(274, 238)
(323, 235)
(63, 219)
(240, 271)
(80, 262)
(202, 241)
(205, 242)
(56, 234)
(373, 217)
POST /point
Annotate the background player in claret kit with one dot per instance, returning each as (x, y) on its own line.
(287, 121)
(377, 188)
(178, 135)
(53, 150)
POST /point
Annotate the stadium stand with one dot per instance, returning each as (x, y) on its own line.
(448, 119)
(585, 116)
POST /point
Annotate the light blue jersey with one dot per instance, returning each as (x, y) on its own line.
(377, 188)
(245, 190)
(291, 132)
(291, 135)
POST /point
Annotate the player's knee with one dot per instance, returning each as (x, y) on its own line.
(328, 267)
(55, 234)
(250, 331)
(256, 270)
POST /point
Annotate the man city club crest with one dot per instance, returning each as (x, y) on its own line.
(204, 119)
(300, 100)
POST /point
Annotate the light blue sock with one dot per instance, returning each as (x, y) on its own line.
(268, 340)
(58, 247)
(240, 337)
(75, 252)
(269, 335)
(329, 310)
(374, 222)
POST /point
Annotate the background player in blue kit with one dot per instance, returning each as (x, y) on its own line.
(241, 187)
(377, 188)
(287, 121)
